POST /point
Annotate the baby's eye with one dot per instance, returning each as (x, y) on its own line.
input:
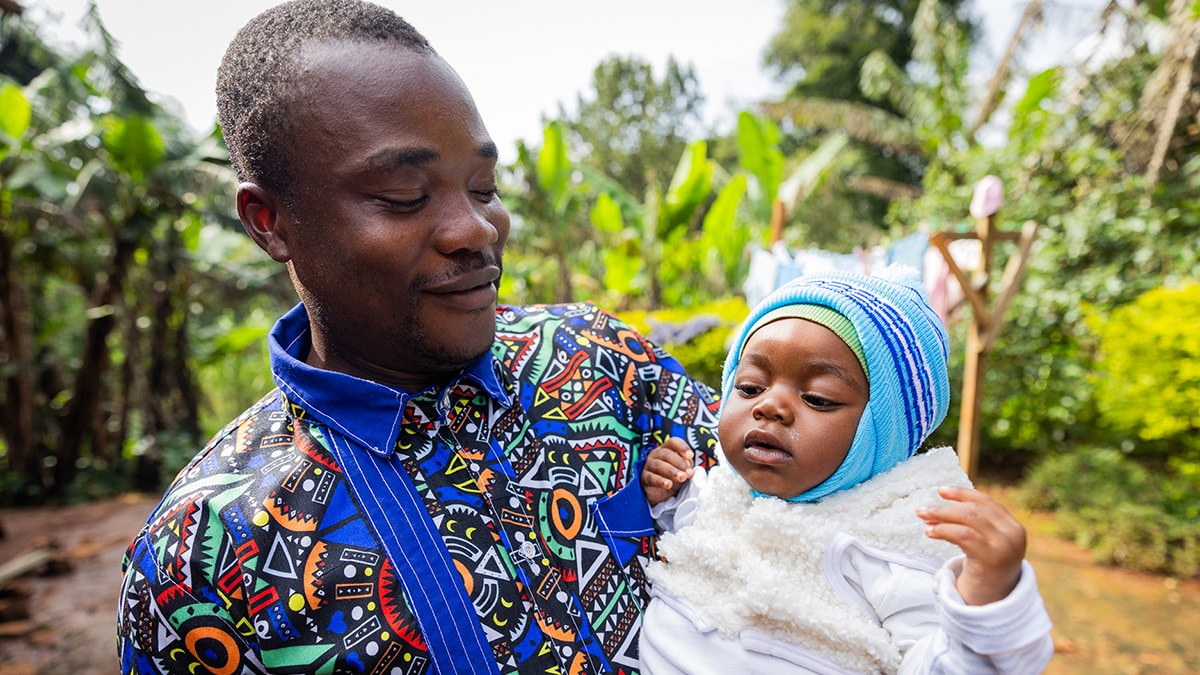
(819, 402)
(748, 390)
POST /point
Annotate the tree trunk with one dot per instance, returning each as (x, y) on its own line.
(1168, 97)
(189, 395)
(16, 415)
(157, 403)
(127, 395)
(172, 403)
(90, 379)
(565, 293)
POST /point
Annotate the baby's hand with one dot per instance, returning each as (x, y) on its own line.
(992, 539)
(667, 468)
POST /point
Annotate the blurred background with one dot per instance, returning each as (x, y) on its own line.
(670, 161)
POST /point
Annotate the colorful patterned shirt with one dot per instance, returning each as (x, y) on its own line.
(343, 526)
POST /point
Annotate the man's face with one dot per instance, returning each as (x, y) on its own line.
(799, 392)
(395, 230)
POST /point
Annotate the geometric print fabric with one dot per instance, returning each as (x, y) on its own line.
(259, 559)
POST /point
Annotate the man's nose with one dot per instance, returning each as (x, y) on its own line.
(464, 225)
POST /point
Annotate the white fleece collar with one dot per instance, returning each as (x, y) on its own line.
(760, 563)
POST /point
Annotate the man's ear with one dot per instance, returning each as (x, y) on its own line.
(264, 216)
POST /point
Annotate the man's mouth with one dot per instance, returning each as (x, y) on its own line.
(473, 289)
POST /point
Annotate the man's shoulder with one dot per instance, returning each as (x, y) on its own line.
(266, 406)
(506, 314)
(253, 423)
(584, 317)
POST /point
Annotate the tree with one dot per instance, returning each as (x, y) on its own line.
(655, 250)
(635, 126)
(103, 200)
(550, 221)
(824, 52)
(1107, 235)
(1160, 137)
(821, 47)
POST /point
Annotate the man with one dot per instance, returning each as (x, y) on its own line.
(439, 484)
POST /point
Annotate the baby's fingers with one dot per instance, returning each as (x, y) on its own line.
(660, 473)
(664, 469)
(673, 454)
(978, 524)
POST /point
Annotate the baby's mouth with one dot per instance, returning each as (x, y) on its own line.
(764, 448)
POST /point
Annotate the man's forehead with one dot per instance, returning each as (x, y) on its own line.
(330, 73)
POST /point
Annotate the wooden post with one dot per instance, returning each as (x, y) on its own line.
(985, 321)
(778, 215)
(972, 397)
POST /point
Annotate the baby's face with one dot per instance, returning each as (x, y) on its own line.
(798, 394)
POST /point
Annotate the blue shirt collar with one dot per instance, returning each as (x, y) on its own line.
(366, 412)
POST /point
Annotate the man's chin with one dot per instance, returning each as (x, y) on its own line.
(453, 356)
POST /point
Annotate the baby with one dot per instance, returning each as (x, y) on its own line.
(824, 543)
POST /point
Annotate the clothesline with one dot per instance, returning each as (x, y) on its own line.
(773, 267)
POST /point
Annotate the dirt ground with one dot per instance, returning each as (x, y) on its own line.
(1106, 620)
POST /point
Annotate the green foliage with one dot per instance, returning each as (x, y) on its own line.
(723, 240)
(655, 251)
(114, 263)
(690, 187)
(1125, 514)
(549, 202)
(554, 167)
(703, 355)
(891, 75)
(634, 125)
(1148, 370)
(134, 144)
(823, 43)
(759, 154)
(233, 370)
(15, 114)
(1104, 239)
(1086, 477)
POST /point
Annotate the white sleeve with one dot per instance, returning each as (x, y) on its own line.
(932, 626)
(1007, 636)
(680, 511)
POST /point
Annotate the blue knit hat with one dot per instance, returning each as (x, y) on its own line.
(905, 345)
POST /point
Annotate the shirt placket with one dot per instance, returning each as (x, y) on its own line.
(511, 508)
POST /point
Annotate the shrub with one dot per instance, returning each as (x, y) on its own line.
(1100, 477)
(1124, 513)
(1147, 379)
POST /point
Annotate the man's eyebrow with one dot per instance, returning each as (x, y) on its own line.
(389, 159)
(488, 151)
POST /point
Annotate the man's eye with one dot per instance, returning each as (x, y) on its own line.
(487, 195)
(402, 204)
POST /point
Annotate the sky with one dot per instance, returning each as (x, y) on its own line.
(521, 59)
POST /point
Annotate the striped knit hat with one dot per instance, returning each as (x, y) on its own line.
(902, 344)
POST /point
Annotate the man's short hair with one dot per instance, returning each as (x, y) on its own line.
(256, 83)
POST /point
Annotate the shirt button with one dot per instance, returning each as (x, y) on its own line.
(528, 549)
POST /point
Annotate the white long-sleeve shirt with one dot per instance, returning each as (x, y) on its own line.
(773, 614)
